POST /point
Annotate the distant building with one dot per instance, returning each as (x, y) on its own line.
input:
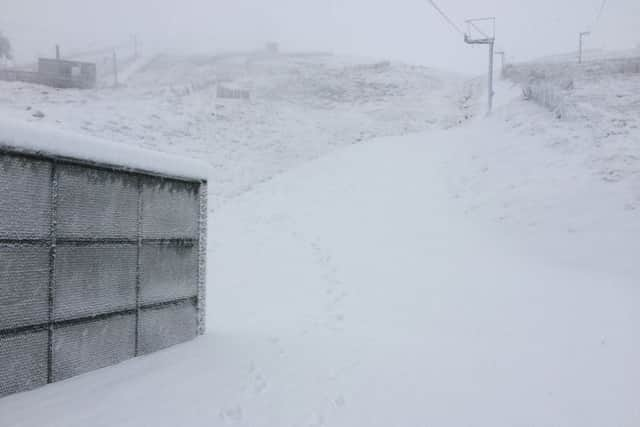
(67, 74)
(56, 73)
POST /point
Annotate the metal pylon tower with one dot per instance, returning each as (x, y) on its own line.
(482, 31)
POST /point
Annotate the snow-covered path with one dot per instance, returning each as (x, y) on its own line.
(374, 287)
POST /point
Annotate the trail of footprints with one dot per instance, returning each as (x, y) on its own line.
(334, 291)
(256, 383)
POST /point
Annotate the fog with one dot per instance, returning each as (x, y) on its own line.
(407, 30)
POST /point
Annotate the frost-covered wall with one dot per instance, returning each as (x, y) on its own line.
(98, 264)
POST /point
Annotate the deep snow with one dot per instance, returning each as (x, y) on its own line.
(50, 141)
(477, 276)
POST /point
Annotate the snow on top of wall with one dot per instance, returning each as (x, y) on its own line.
(51, 142)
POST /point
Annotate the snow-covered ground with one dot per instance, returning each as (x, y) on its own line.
(482, 275)
(599, 103)
(301, 107)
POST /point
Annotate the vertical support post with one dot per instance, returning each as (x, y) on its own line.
(135, 46)
(489, 40)
(490, 106)
(580, 50)
(58, 52)
(501, 54)
(138, 269)
(202, 259)
(580, 45)
(53, 226)
(115, 69)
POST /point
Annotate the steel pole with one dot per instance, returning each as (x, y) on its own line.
(580, 45)
(491, 43)
(501, 54)
(580, 50)
(115, 69)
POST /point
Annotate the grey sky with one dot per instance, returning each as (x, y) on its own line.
(408, 30)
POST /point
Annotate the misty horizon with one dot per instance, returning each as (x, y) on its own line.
(409, 31)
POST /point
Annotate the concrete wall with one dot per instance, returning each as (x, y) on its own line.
(96, 266)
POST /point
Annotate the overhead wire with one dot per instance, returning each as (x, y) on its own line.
(599, 15)
(479, 30)
(446, 17)
(604, 4)
(451, 23)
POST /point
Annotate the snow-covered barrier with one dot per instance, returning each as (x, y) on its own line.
(549, 96)
(551, 84)
(102, 254)
(232, 93)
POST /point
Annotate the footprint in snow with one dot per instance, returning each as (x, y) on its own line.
(231, 416)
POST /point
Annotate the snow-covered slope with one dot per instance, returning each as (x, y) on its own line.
(599, 106)
(301, 107)
(558, 181)
(483, 276)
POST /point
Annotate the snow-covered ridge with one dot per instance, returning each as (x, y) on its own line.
(51, 142)
(301, 108)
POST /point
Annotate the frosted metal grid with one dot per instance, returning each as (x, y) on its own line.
(97, 265)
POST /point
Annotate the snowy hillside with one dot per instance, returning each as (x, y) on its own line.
(300, 108)
(599, 104)
(477, 272)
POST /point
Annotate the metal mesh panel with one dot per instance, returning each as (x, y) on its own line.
(23, 362)
(165, 326)
(96, 266)
(87, 346)
(168, 272)
(96, 204)
(25, 205)
(94, 279)
(24, 285)
(170, 210)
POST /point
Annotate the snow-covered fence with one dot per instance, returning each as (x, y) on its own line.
(550, 84)
(549, 96)
(541, 85)
(232, 93)
(102, 254)
(20, 76)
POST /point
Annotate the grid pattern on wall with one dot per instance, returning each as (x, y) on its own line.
(97, 265)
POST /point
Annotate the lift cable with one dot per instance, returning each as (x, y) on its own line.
(446, 18)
